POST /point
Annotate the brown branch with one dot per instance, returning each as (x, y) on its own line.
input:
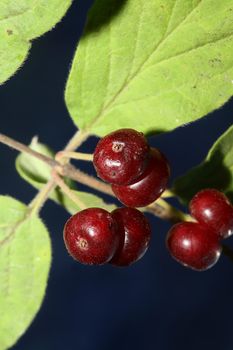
(25, 149)
(75, 174)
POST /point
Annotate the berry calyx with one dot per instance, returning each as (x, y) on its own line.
(193, 245)
(213, 208)
(120, 157)
(149, 186)
(91, 236)
(134, 232)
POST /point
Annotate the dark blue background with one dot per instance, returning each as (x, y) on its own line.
(154, 304)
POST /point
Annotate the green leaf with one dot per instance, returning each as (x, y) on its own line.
(25, 255)
(37, 173)
(33, 170)
(13, 52)
(152, 65)
(20, 22)
(216, 171)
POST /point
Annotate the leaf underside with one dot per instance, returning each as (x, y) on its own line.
(37, 173)
(151, 65)
(216, 171)
(25, 256)
(20, 22)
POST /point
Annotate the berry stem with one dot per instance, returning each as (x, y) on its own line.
(66, 155)
(60, 182)
(166, 211)
(168, 194)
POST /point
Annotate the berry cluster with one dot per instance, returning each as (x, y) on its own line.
(95, 236)
(138, 176)
(197, 244)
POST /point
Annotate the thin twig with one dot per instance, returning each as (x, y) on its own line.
(25, 149)
(39, 200)
(60, 182)
(77, 175)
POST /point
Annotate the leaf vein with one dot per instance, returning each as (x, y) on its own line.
(14, 15)
(227, 36)
(7, 271)
(170, 19)
(83, 72)
(167, 91)
(139, 27)
(12, 231)
(122, 89)
(110, 63)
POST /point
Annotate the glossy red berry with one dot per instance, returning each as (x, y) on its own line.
(214, 209)
(91, 236)
(194, 245)
(134, 232)
(121, 156)
(149, 186)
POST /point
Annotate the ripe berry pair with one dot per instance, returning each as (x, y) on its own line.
(197, 244)
(95, 236)
(138, 174)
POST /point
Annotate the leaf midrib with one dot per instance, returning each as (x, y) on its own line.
(4, 19)
(13, 229)
(140, 68)
(170, 58)
(20, 13)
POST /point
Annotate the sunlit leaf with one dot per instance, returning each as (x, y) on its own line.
(20, 22)
(25, 256)
(152, 65)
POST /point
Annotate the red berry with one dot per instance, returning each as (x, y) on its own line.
(134, 231)
(91, 236)
(194, 245)
(213, 208)
(121, 156)
(149, 186)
